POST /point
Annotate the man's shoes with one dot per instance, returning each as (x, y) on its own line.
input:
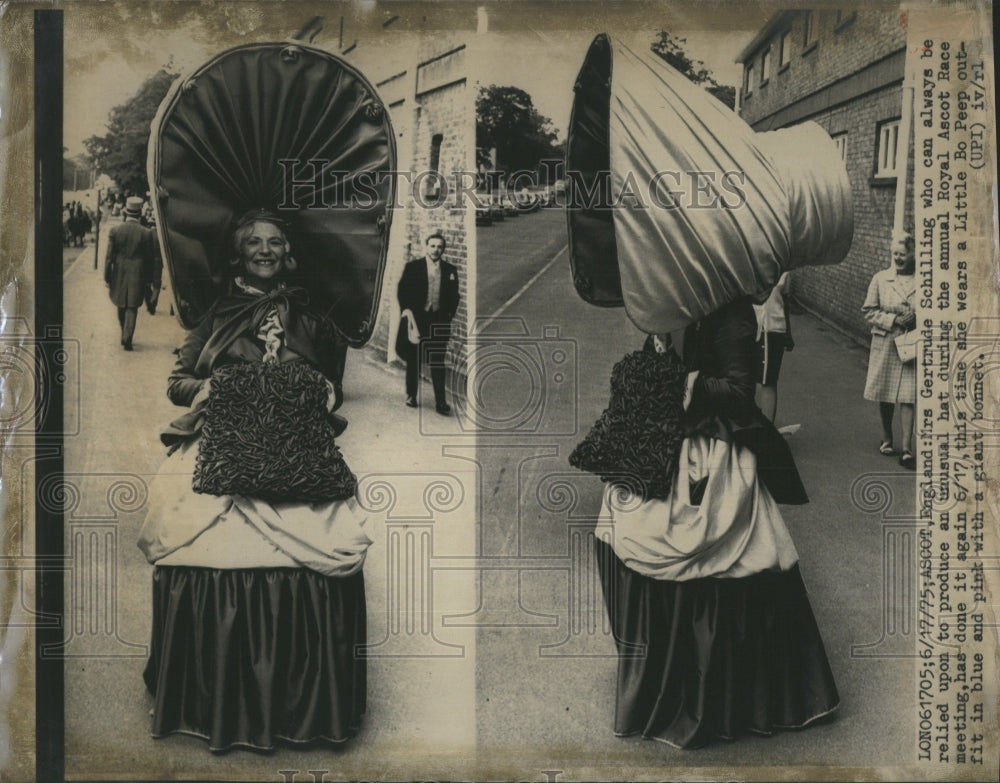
(338, 396)
(411, 402)
(128, 345)
(443, 408)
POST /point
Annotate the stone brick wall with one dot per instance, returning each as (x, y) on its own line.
(837, 292)
(849, 82)
(870, 36)
(428, 97)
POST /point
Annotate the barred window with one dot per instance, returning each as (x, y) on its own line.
(840, 140)
(887, 149)
(785, 48)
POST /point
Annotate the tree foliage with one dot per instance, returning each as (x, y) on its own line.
(507, 121)
(671, 49)
(121, 152)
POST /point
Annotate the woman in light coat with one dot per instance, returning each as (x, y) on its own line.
(889, 311)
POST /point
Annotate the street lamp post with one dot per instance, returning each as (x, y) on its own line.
(97, 230)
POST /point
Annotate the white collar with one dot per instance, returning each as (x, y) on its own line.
(246, 288)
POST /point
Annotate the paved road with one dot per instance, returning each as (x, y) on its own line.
(508, 254)
(550, 710)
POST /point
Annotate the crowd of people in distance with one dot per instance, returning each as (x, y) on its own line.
(78, 221)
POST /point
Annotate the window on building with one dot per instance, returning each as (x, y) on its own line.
(887, 149)
(436, 141)
(748, 80)
(785, 49)
(765, 66)
(433, 187)
(843, 19)
(840, 140)
(810, 29)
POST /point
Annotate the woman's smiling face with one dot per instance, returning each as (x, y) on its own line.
(902, 257)
(264, 251)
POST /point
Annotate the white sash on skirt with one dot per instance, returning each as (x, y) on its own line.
(736, 530)
(186, 528)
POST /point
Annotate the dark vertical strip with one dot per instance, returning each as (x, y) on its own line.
(49, 687)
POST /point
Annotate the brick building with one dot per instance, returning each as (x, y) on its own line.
(843, 70)
(423, 80)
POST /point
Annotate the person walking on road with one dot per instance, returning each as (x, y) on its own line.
(428, 288)
(774, 337)
(131, 268)
(889, 311)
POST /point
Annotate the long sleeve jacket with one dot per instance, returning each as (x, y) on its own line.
(889, 295)
(721, 347)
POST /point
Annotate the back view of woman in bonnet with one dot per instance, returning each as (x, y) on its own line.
(715, 634)
(714, 629)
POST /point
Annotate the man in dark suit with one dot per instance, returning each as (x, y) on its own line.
(429, 289)
(132, 265)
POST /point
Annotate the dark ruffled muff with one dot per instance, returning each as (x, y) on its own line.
(268, 434)
(637, 438)
(253, 657)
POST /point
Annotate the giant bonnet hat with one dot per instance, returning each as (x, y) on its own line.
(292, 130)
(769, 202)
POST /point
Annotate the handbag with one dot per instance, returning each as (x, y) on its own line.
(152, 297)
(906, 345)
(636, 440)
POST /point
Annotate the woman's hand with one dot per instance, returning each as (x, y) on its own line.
(907, 320)
(331, 396)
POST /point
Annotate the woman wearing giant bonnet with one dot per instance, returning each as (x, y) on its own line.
(715, 634)
(258, 601)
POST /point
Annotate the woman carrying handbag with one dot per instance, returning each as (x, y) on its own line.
(889, 311)
(715, 633)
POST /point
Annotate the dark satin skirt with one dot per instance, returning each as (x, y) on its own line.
(250, 657)
(711, 659)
